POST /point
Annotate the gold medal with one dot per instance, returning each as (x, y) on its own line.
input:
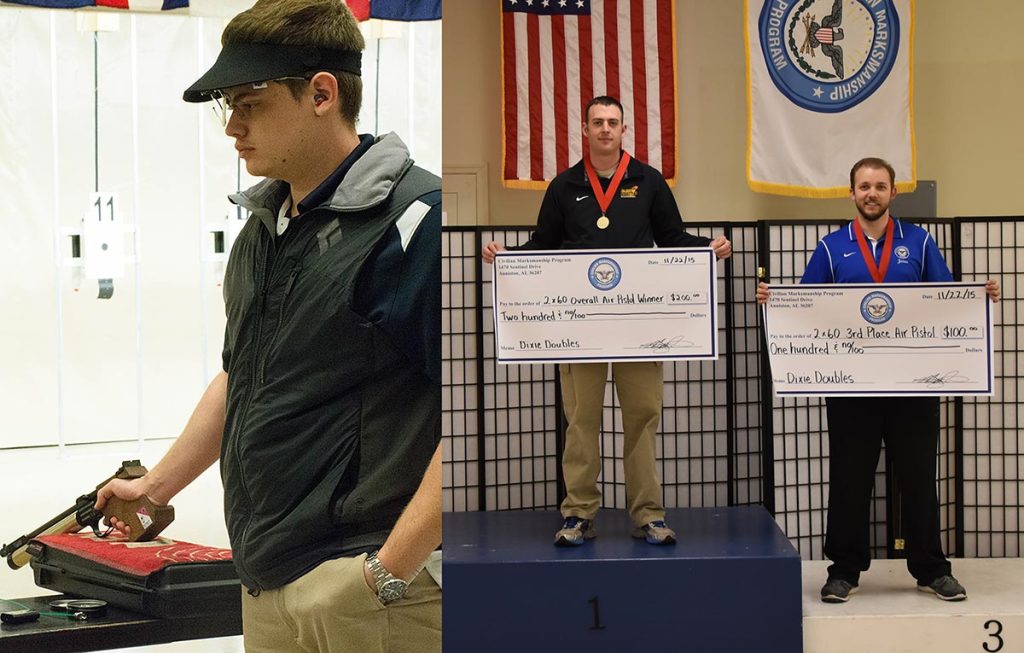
(602, 222)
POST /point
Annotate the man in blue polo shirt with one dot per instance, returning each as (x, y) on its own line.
(876, 247)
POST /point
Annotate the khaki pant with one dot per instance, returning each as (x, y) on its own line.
(333, 609)
(640, 390)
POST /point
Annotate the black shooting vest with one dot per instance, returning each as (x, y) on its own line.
(329, 427)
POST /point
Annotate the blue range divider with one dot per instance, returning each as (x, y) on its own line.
(731, 584)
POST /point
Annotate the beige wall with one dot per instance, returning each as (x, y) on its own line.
(968, 110)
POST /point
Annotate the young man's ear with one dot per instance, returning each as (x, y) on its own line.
(325, 91)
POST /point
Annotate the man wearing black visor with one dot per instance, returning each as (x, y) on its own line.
(326, 416)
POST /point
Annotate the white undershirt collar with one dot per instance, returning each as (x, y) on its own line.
(282, 215)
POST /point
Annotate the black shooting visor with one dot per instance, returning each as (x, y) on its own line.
(247, 63)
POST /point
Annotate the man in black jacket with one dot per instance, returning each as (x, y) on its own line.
(641, 213)
(332, 496)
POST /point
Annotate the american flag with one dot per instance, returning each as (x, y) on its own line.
(558, 54)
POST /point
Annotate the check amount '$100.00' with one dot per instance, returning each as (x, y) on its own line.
(880, 339)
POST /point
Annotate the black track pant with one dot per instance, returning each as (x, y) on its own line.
(856, 427)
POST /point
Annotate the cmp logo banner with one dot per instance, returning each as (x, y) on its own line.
(829, 55)
(828, 82)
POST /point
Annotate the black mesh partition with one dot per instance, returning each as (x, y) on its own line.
(461, 409)
(993, 447)
(743, 341)
(522, 441)
(799, 439)
(724, 438)
(944, 232)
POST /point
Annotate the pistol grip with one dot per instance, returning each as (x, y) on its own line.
(145, 518)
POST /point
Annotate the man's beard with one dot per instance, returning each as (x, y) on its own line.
(863, 210)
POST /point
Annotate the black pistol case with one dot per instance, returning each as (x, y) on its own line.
(160, 578)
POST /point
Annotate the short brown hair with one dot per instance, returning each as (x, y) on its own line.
(873, 162)
(322, 23)
(605, 101)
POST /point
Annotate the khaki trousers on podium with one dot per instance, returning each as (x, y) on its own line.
(640, 390)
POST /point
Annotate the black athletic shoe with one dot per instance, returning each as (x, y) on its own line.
(837, 591)
(946, 588)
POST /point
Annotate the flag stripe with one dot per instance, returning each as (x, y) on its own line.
(625, 59)
(667, 92)
(360, 8)
(611, 49)
(576, 95)
(533, 75)
(636, 21)
(523, 102)
(547, 99)
(596, 40)
(652, 80)
(511, 100)
(586, 68)
(558, 46)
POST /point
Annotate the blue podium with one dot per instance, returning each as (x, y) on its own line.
(731, 584)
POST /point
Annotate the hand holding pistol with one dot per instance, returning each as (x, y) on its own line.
(145, 518)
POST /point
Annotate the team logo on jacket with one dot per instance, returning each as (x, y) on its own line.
(629, 193)
(604, 273)
(877, 307)
(829, 55)
(902, 253)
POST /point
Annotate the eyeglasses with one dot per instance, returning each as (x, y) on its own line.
(223, 107)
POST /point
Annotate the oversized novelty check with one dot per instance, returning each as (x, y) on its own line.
(605, 305)
(880, 339)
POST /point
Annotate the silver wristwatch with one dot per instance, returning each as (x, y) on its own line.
(389, 587)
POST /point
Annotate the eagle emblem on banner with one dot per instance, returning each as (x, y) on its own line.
(829, 55)
(825, 35)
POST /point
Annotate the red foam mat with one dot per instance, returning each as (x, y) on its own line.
(135, 558)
